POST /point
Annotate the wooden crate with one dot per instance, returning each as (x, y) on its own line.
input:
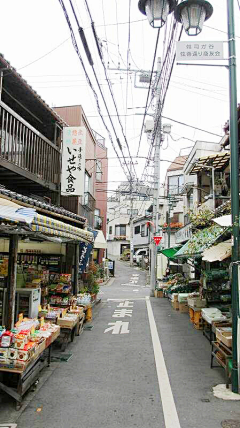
(175, 305)
(183, 308)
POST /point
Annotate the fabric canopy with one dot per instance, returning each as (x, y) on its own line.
(170, 252)
(100, 241)
(51, 226)
(31, 221)
(16, 214)
(218, 252)
(225, 220)
(200, 241)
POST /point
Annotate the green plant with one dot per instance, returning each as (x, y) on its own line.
(202, 218)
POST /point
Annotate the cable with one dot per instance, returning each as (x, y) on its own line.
(87, 77)
(85, 45)
(149, 89)
(128, 53)
(109, 83)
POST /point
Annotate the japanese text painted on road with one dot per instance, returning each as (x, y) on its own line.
(73, 160)
(192, 51)
(121, 327)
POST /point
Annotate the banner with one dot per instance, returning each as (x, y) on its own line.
(84, 253)
(73, 161)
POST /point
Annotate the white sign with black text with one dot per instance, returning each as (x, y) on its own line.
(194, 51)
(73, 161)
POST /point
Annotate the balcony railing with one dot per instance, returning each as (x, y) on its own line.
(26, 148)
(88, 201)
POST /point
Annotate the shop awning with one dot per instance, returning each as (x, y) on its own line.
(12, 213)
(200, 241)
(170, 252)
(225, 220)
(30, 221)
(50, 226)
(100, 241)
(218, 252)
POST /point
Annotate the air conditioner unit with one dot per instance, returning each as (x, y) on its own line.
(149, 126)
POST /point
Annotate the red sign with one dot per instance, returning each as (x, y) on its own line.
(157, 239)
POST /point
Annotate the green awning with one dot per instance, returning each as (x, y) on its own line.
(201, 240)
(170, 252)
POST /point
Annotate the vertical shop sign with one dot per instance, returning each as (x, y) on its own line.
(84, 253)
(73, 161)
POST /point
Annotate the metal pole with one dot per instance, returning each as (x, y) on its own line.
(233, 126)
(213, 187)
(157, 143)
(168, 225)
(1, 84)
(12, 278)
(131, 217)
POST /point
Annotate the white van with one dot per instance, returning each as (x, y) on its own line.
(142, 252)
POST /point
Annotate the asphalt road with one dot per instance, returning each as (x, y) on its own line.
(142, 365)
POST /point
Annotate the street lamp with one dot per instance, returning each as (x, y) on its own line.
(156, 10)
(192, 14)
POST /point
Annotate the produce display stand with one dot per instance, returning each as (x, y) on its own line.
(70, 329)
(16, 381)
(195, 314)
(223, 356)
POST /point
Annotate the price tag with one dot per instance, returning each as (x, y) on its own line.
(20, 317)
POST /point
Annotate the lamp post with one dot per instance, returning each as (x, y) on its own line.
(192, 14)
(184, 14)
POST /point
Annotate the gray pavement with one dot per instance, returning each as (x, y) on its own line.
(111, 379)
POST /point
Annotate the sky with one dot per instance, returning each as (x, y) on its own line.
(35, 38)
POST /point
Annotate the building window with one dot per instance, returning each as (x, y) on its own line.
(144, 230)
(175, 184)
(134, 212)
(87, 182)
(136, 230)
(120, 230)
(98, 170)
(110, 230)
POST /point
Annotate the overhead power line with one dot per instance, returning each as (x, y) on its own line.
(108, 82)
(85, 45)
(74, 42)
(149, 89)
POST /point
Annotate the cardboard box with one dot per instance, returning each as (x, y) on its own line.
(224, 335)
(183, 307)
(158, 293)
(175, 305)
(196, 302)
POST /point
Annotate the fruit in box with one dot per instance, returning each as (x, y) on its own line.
(12, 353)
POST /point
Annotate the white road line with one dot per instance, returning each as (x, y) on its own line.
(168, 404)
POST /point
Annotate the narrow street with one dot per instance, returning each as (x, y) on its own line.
(111, 380)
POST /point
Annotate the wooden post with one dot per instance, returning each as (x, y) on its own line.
(11, 285)
(76, 267)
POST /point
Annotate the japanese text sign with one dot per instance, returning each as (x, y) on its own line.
(192, 51)
(73, 161)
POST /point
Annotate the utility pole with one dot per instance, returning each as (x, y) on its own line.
(131, 216)
(157, 144)
(234, 150)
